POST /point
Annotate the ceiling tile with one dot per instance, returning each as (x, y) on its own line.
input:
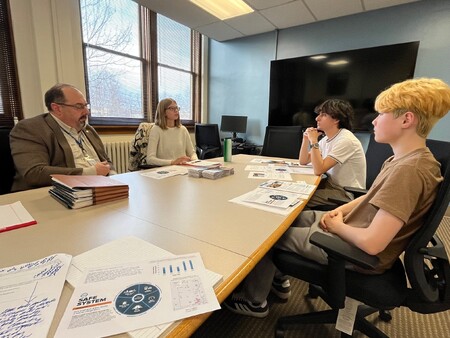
(269, 14)
(288, 15)
(377, 4)
(326, 9)
(219, 31)
(263, 4)
(251, 24)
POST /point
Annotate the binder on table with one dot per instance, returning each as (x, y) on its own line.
(78, 191)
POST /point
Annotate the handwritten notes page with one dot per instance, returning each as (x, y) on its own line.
(29, 295)
(126, 297)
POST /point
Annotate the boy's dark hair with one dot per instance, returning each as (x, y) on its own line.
(340, 110)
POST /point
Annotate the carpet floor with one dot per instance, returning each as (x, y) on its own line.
(405, 323)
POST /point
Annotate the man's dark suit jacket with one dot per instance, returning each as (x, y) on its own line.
(39, 149)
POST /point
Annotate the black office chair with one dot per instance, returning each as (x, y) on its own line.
(207, 141)
(425, 263)
(282, 141)
(8, 164)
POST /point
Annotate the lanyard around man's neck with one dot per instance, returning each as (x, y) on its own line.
(79, 142)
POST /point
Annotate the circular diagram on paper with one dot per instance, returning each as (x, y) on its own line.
(137, 299)
(278, 197)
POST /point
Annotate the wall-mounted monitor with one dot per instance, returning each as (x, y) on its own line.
(234, 124)
(298, 85)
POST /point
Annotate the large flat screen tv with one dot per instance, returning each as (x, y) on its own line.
(298, 85)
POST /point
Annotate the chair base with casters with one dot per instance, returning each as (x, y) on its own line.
(330, 316)
(333, 283)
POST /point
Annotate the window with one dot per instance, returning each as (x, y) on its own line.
(134, 58)
(10, 104)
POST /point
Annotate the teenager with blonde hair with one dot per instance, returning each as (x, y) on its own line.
(381, 222)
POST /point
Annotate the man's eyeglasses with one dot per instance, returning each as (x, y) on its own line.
(173, 108)
(78, 106)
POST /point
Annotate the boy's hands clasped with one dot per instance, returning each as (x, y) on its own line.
(331, 220)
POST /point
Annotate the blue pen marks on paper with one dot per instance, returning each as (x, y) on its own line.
(14, 321)
(29, 295)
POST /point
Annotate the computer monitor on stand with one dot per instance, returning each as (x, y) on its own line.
(234, 125)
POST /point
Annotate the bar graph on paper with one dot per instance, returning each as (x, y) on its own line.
(174, 266)
(187, 290)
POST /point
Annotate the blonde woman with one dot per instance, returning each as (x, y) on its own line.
(169, 141)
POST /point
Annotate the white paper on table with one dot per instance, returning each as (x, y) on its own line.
(273, 198)
(121, 251)
(242, 201)
(299, 187)
(126, 297)
(29, 295)
(268, 161)
(302, 170)
(270, 175)
(165, 172)
(252, 167)
(14, 214)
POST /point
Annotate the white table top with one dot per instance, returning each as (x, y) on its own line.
(180, 214)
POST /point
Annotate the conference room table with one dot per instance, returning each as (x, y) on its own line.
(180, 214)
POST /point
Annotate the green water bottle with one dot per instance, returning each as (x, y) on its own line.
(227, 145)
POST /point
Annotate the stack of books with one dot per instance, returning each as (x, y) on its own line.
(213, 173)
(78, 191)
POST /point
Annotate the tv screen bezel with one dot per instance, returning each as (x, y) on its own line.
(283, 86)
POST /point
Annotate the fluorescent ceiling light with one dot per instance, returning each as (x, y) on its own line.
(224, 9)
(318, 57)
(337, 63)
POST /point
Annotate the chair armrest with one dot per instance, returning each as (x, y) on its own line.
(336, 247)
(356, 191)
(202, 152)
(147, 166)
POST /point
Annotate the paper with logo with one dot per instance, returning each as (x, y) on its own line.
(29, 295)
(126, 297)
(165, 172)
(273, 198)
(299, 187)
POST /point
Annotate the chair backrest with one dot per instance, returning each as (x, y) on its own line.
(207, 135)
(139, 145)
(8, 168)
(430, 279)
(282, 141)
(376, 154)
(207, 140)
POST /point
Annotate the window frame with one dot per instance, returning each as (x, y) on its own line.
(150, 64)
(9, 79)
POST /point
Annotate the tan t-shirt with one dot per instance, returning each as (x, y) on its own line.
(406, 188)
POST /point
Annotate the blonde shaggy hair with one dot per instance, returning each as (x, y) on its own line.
(428, 99)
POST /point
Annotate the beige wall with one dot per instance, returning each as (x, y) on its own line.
(47, 37)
